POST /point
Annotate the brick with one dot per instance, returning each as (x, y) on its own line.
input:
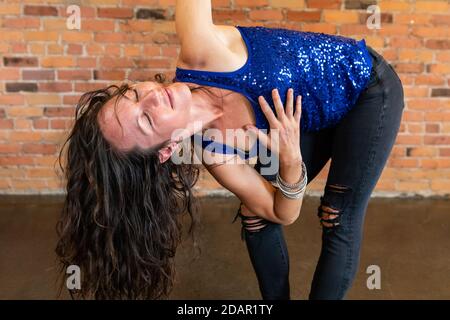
(6, 124)
(98, 25)
(297, 4)
(300, 16)
(55, 24)
(111, 37)
(412, 19)
(22, 124)
(109, 75)
(251, 3)
(20, 61)
(116, 63)
(21, 86)
(359, 4)
(412, 185)
(74, 74)
(21, 111)
(440, 186)
(435, 163)
(390, 5)
(86, 62)
(335, 16)
(157, 14)
(432, 128)
(40, 172)
(25, 136)
(28, 184)
(437, 140)
(440, 20)
(57, 124)
(266, 15)
(403, 163)
(38, 74)
(21, 23)
(74, 49)
(90, 86)
(41, 36)
(444, 152)
(37, 48)
(425, 32)
(16, 160)
(319, 27)
(438, 44)
(431, 6)
(9, 74)
(440, 92)
(228, 15)
(394, 30)
(404, 42)
(324, 4)
(39, 148)
(40, 124)
(115, 13)
(54, 48)
(409, 67)
(77, 36)
(57, 62)
(10, 9)
(58, 111)
(384, 18)
(55, 87)
(152, 63)
(40, 10)
(438, 68)
(43, 99)
(421, 152)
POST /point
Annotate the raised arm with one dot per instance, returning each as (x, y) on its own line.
(195, 28)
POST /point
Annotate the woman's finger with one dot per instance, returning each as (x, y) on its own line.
(278, 104)
(270, 116)
(298, 109)
(290, 103)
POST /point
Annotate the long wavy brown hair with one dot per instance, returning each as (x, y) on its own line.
(120, 221)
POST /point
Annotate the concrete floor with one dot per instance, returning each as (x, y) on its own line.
(407, 238)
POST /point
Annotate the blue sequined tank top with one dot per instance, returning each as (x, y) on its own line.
(328, 71)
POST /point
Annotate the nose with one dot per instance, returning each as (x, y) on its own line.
(156, 97)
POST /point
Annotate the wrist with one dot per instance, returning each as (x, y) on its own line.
(291, 171)
(291, 161)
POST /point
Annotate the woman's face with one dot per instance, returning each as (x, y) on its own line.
(148, 114)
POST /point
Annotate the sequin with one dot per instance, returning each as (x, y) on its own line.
(328, 71)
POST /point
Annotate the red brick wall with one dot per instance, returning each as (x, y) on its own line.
(45, 67)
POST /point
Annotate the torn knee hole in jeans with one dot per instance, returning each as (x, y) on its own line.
(329, 214)
(251, 223)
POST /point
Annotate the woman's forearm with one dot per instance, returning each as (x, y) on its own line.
(287, 209)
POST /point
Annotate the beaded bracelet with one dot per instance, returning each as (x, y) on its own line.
(297, 192)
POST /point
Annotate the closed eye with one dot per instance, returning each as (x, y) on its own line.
(148, 118)
(137, 95)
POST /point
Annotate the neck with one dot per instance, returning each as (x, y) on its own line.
(206, 111)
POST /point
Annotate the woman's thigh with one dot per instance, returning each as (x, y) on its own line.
(363, 141)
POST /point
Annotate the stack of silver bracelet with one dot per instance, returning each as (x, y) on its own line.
(296, 190)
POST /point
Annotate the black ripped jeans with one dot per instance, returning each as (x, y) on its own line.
(359, 147)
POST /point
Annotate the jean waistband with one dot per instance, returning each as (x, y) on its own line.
(379, 66)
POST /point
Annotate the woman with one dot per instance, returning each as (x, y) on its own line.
(120, 218)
